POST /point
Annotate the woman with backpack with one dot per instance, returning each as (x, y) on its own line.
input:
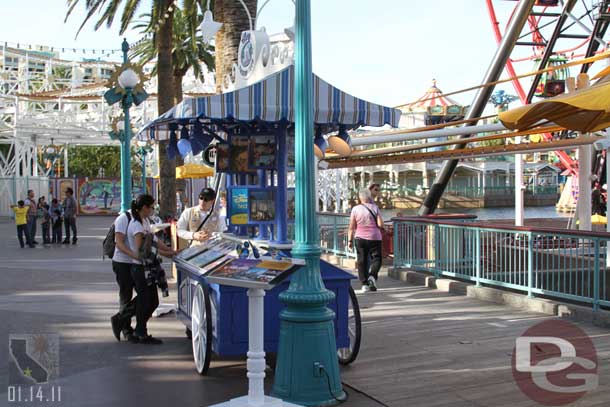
(117, 248)
(364, 233)
(147, 298)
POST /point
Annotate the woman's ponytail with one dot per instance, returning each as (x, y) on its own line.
(139, 203)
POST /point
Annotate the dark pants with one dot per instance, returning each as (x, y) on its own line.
(147, 299)
(364, 249)
(21, 231)
(46, 232)
(70, 223)
(127, 304)
(57, 231)
(31, 230)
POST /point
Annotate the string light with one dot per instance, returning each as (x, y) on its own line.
(19, 45)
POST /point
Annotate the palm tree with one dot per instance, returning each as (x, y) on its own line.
(235, 20)
(162, 12)
(186, 53)
(184, 56)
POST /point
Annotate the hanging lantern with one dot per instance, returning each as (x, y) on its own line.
(341, 142)
(184, 145)
(172, 148)
(319, 144)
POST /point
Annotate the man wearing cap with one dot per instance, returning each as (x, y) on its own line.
(198, 223)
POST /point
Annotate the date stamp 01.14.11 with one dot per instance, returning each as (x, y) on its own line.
(33, 370)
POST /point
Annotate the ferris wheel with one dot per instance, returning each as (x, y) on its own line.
(556, 32)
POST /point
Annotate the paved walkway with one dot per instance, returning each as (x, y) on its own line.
(420, 347)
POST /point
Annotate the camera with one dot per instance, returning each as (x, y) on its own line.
(156, 275)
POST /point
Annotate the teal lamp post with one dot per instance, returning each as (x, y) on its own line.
(307, 370)
(128, 90)
(142, 151)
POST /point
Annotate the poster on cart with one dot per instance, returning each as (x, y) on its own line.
(239, 206)
(262, 205)
(239, 154)
(252, 273)
(262, 152)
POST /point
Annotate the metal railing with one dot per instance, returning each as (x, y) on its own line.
(333, 233)
(565, 265)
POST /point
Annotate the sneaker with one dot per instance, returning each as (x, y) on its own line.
(365, 289)
(66, 241)
(131, 337)
(372, 283)
(74, 241)
(115, 321)
(149, 340)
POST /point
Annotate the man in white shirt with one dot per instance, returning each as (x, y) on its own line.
(198, 223)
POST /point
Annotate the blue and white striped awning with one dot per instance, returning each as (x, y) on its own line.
(272, 100)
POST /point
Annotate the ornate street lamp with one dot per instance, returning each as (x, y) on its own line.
(307, 368)
(142, 151)
(128, 90)
(49, 155)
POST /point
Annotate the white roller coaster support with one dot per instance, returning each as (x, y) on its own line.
(396, 136)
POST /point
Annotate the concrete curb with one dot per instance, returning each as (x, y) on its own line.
(572, 312)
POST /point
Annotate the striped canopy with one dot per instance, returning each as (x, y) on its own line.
(272, 100)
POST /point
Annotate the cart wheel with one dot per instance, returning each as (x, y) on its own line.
(354, 328)
(201, 328)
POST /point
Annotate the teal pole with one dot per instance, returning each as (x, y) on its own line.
(125, 144)
(144, 186)
(307, 370)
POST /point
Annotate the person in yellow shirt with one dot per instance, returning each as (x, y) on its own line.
(21, 221)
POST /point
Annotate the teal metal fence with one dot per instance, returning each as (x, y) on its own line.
(565, 265)
(333, 233)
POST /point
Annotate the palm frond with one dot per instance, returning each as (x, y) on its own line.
(128, 12)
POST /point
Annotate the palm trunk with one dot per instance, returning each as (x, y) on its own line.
(165, 101)
(235, 20)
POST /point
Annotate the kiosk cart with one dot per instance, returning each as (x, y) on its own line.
(248, 135)
(216, 316)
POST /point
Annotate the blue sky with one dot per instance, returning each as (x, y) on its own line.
(386, 51)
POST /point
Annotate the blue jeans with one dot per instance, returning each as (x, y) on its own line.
(70, 224)
(31, 230)
(22, 230)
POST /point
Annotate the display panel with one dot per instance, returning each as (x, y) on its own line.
(239, 154)
(239, 206)
(263, 273)
(290, 159)
(290, 204)
(262, 205)
(263, 152)
(222, 157)
(190, 252)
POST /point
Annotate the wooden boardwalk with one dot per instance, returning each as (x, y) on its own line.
(428, 348)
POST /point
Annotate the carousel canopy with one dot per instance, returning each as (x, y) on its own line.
(433, 97)
(272, 100)
(434, 102)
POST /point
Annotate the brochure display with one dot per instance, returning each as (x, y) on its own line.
(213, 301)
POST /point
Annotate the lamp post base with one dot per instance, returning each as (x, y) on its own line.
(307, 371)
(245, 402)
